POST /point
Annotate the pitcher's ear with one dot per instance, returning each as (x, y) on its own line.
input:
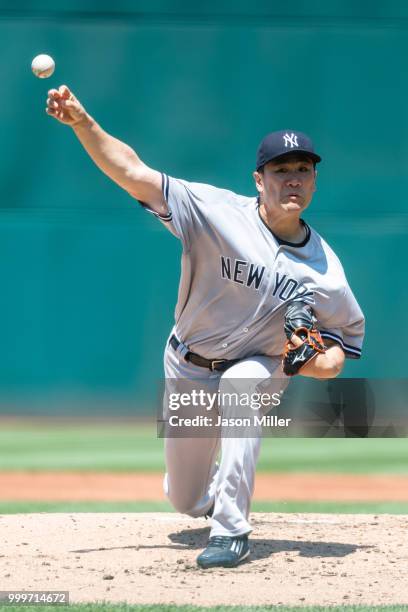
(258, 178)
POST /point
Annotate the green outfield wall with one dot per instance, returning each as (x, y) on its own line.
(89, 280)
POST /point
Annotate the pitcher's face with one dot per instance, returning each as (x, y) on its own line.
(287, 183)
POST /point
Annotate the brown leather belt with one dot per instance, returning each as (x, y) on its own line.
(218, 365)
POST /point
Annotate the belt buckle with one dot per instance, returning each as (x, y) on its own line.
(215, 362)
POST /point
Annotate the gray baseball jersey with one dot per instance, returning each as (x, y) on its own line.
(237, 277)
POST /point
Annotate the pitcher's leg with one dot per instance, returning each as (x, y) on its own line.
(236, 475)
(235, 485)
(191, 474)
(191, 466)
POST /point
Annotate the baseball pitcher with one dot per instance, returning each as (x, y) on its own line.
(262, 296)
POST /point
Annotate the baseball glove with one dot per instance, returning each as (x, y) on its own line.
(300, 321)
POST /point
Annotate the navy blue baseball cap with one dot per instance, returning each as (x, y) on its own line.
(284, 142)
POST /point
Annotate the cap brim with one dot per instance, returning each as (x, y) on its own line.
(316, 158)
(313, 156)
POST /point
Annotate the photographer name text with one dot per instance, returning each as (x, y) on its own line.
(206, 421)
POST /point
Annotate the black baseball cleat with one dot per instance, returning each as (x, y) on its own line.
(224, 551)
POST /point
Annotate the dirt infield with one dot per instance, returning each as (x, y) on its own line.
(90, 486)
(150, 558)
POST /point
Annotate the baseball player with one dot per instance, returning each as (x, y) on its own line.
(257, 286)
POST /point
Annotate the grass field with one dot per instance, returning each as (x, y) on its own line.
(133, 447)
(21, 507)
(159, 608)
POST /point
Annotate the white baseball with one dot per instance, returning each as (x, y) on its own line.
(43, 66)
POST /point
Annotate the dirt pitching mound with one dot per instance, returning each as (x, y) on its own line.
(150, 558)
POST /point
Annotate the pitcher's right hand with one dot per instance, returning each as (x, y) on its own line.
(64, 106)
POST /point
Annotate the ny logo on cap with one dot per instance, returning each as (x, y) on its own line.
(290, 140)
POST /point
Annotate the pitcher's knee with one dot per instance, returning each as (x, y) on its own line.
(185, 505)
